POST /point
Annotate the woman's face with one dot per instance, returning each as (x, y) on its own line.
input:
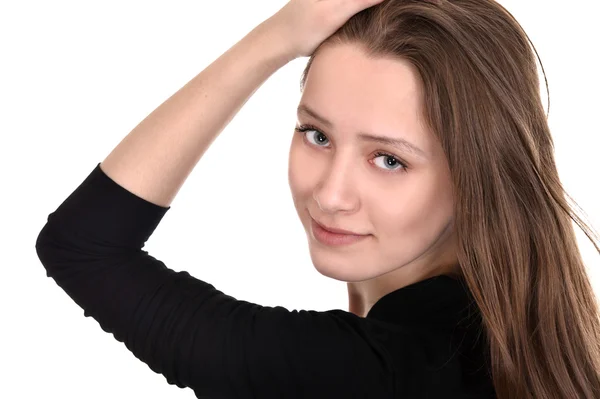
(339, 179)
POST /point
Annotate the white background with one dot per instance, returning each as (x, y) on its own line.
(76, 77)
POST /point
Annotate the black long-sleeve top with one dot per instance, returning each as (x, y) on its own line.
(421, 341)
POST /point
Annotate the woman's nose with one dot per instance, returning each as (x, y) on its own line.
(336, 191)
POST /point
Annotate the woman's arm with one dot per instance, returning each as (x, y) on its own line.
(195, 335)
(154, 160)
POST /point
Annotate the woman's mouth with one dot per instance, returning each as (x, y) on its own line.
(330, 238)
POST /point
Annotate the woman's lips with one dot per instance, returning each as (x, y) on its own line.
(333, 239)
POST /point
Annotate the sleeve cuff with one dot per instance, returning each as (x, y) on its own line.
(102, 210)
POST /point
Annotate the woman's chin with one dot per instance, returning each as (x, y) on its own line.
(338, 269)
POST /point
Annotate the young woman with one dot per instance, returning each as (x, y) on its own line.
(422, 170)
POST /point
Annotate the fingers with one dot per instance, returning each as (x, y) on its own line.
(355, 6)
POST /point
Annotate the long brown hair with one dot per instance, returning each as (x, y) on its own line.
(517, 248)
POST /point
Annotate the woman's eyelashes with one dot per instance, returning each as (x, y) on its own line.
(319, 138)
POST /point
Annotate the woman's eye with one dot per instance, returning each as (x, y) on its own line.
(314, 136)
(389, 160)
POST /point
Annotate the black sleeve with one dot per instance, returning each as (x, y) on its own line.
(186, 329)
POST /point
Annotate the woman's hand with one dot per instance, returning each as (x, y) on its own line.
(305, 24)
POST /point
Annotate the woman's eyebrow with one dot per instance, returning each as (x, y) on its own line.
(400, 143)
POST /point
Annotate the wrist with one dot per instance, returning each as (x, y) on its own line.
(274, 42)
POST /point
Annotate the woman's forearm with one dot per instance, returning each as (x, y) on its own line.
(156, 157)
